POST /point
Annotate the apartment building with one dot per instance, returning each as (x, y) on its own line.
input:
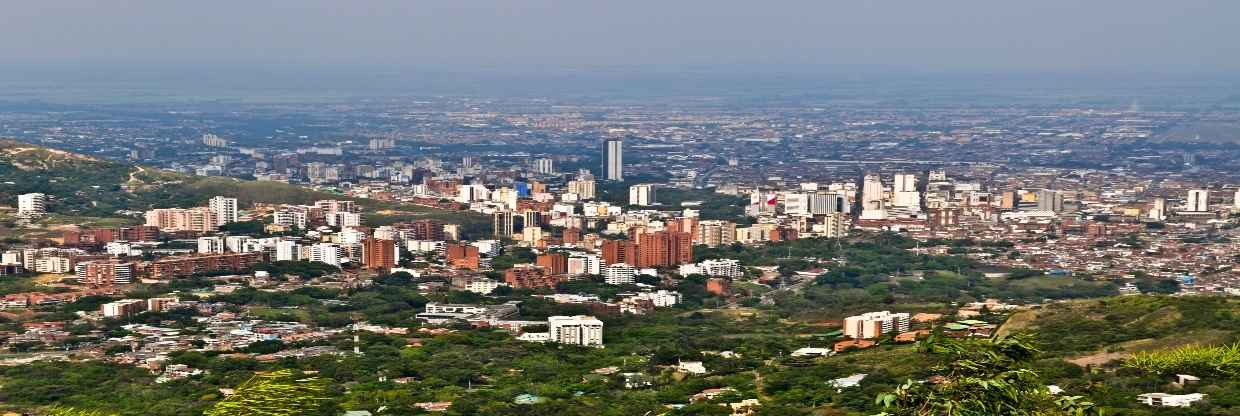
(875, 324)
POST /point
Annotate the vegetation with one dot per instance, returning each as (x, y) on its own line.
(1198, 360)
(278, 393)
(981, 378)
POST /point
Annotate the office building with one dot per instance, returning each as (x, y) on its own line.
(544, 166)
(904, 194)
(1050, 200)
(873, 206)
(1198, 201)
(828, 203)
(504, 224)
(613, 160)
(1159, 211)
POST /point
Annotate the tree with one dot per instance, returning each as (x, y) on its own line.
(277, 393)
(980, 378)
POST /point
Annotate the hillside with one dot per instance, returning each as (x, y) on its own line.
(81, 186)
(1096, 331)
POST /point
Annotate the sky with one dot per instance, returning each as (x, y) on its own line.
(110, 38)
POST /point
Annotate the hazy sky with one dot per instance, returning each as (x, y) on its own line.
(1181, 36)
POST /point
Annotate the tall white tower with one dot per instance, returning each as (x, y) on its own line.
(1198, 200)
(613, 160)
(872, 206)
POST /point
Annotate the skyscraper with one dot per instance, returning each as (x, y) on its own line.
(544, 166)
(1159, 211)
(1050, 200)
(1198, 200)
(905, 194)
(872, 206)
(613, 160)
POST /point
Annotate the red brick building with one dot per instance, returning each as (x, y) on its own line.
(619, 251)
(463, 256)
(554, 263)
(171, 267)
(378, 254)
(430, 230)
(529, 277)
(719, 286)
(664, 249)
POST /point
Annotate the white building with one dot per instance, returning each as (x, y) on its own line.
(327, 253)
(635, 303)
(210, 245)
(483, 286)
(1170, 400)
(619, 274)
(52, 265)
(580, 263)
(905, 194)
(287, 250)
(544, 166)
(1159, 211)
(225, 208)
(613, 160)
(32, 205)
(471, 193)
(344, 219)
(714, 267)
(124, 307)
(290, 219)
(584, 188)
(488, 248)
(796, 203)
(238, 243)
(875, 324)
(575, 330)
(642, 195)
(873, 206)
(1198, 200)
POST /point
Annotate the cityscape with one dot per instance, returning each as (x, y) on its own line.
(804, 244)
